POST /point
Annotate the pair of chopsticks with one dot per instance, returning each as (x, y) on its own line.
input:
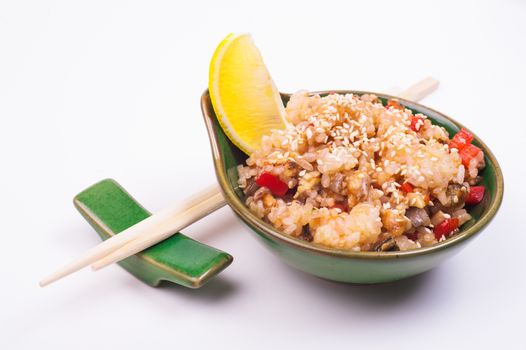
(144, 234)
(171, 220)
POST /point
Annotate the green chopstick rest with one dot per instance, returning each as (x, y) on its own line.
(178, 259)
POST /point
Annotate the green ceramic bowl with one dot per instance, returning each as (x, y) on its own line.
(347, 266)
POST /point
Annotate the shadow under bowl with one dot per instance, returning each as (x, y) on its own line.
(344, 265)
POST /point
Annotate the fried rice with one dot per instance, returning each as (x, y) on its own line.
(357, 175)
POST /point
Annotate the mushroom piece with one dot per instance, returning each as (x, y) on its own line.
(251, 187)
(452, 199)
(305, 234)
(418, 217)
(456, 195)
(388, 244)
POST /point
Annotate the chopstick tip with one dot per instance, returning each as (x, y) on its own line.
(43, 283)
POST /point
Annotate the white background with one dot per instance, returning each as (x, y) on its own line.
(90, 90)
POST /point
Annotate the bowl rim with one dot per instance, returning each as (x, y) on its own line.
(270, 232)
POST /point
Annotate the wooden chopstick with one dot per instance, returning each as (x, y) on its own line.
(173, 219)
(418, 91)
(130, 234)
(163, 230)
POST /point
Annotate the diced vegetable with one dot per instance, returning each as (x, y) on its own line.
(273, 183)
(468, 153)
(461, 139)
(306, 234)
(412, 235)
(407, 187)
(445, 228)
(394, 104)
(416, 122)
(418, 217)
(475, 195)
(462, 142)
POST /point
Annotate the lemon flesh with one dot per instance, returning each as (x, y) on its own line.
(245, 99)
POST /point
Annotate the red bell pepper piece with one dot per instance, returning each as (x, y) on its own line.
(412, 236)
(416, 122)
(461, 139)
(445, 228)
(467, 153)
(475, 195)
(273, 183)
(407, 187)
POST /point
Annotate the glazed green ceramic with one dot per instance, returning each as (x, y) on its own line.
(348, 266)
(178, 259)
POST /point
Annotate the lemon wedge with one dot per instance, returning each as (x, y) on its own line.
(245, 99)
